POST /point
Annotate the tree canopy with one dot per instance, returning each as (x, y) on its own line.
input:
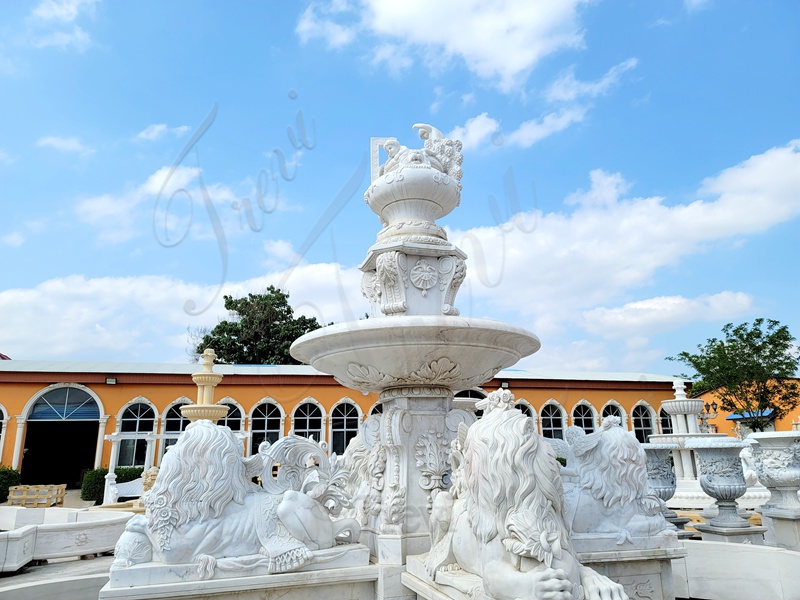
(752, 371)
(260, 330)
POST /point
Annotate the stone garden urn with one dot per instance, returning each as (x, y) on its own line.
(777, 458)
(721, 477)
(660, 475)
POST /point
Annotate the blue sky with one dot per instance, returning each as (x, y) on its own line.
(631, 169)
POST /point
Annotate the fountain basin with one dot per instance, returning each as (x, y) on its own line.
(456, 353)
(48, 533)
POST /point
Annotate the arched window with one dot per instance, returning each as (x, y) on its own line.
(307, 421)
(265, 425)
(65, 404)
(612, 410)
(377, 409)
(642, 423)
(174, 423)
(344, 426)
(666, 421)
(583, 417)
(524, 409)
(137, 418)
(233, 419)
(466, 399)
(552, 422)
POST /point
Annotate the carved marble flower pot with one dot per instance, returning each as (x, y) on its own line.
(777, 458)
(721, 477)
(660, 474)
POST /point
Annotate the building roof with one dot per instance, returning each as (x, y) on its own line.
(42, 366)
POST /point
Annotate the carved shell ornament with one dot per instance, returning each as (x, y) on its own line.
(424, 276)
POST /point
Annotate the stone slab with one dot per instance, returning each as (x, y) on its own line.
(732, 535)
(155, 574)
(331, 584)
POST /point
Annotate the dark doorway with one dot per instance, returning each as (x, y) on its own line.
(58, 452)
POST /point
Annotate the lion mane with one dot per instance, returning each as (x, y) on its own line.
(514, 485)
(613, 467)
(189, 489)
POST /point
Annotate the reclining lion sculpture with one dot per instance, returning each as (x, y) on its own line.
(205, 509)
(502, 517)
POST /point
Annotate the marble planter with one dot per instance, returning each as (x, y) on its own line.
(722, 478)
(660, 475)
(777, 458)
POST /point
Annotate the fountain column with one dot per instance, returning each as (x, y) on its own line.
(414, 350)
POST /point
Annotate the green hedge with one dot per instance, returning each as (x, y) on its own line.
(94, 482)
(8, 477)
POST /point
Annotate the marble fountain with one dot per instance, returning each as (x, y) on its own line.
(426, 502)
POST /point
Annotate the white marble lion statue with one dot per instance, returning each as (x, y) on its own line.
(502, 518)
(205, 509)
(612, 495)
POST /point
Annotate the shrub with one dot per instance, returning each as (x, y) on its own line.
(93, 486)
(128, 473)
(94, 482)
(8, 477)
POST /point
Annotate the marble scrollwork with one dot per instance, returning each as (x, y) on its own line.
(441, 372)
(431, 453)
(391, 273)
(452, 271)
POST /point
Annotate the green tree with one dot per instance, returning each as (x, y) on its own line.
(752, 371)
(260, 330)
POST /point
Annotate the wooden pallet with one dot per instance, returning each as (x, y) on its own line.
(37, 496)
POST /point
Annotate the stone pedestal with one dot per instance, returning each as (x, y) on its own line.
(735, 535)
(332, 584)
(784, 527)
(643, 573)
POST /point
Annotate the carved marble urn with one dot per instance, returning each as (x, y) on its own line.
(721, 477)
(660, 474)
(777, 458)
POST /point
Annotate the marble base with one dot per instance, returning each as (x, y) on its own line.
(733, 535)
(784, 528)
(587, 543)
(158, 575)
(643, 573)
(331, 584)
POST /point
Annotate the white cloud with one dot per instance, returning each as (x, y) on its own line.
(610, 246)
(119, 217)
(143, 318)
(530, 132)
(5, 157)
(665, 313)
(312, 25)
(77, 38)
(158, 130)
(498, 40)
(482, 129)
(65, 11)
(14, 239)
(567, 89)
(71, 144)
(476, 131)
(279, 254)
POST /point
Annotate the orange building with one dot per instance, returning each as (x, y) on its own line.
(60, 419)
